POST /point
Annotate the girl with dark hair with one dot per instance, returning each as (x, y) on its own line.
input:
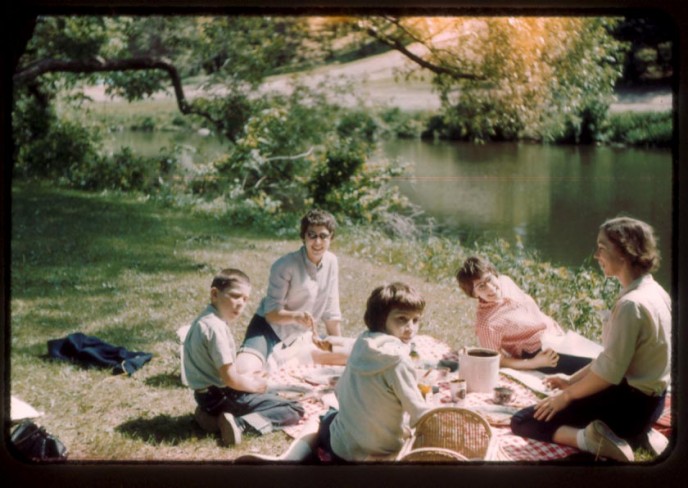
(379, 383)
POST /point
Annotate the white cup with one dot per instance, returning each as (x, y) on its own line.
(457, 390)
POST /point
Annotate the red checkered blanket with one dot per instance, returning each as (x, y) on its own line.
(313, 396)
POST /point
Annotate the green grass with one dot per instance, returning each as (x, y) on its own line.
(641, 128)
(130, 272)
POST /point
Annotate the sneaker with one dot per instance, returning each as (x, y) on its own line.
(229, 429)
(602, 442)
(206, 421)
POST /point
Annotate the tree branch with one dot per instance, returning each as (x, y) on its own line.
(96, 65)
(423, 63)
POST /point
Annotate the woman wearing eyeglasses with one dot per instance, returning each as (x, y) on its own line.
(303, 290)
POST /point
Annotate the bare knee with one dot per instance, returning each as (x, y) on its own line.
(247, 363)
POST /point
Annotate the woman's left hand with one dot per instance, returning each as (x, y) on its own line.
(547, 408)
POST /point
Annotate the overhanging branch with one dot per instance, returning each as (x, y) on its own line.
(97, 65)
(420, 61)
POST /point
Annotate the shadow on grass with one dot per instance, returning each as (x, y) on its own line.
(163, 429)
(62, 240)
(165, 380)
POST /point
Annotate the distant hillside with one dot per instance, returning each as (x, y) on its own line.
(374, 84)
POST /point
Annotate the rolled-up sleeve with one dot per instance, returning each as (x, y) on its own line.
(620, 342)
(332, 310)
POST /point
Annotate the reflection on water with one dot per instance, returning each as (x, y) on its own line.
(191, 148)
(552, 198)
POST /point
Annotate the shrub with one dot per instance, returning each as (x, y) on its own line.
(64, 146)
(641, 128)
(341, 162)
(402, 124)
(121, 171)
(145, 124)
(357, 125)
(585, 127)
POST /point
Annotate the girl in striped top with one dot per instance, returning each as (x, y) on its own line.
(509, 321)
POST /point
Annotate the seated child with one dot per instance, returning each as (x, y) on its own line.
(239, 402)
(510, 322)
(379, 383)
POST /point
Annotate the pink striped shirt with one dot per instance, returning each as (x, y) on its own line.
(514, 324)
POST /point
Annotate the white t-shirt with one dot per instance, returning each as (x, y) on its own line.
(208, 346)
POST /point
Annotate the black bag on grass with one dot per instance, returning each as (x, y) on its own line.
(35, 444)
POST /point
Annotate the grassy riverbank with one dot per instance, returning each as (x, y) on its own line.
(130, 272)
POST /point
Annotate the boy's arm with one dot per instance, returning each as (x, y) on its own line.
(251, 382)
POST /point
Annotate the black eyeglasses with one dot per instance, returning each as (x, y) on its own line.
(313, 236)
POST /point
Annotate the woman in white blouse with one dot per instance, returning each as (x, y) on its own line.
(303, 290)
(617, 397)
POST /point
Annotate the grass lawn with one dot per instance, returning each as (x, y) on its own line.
(130, 273)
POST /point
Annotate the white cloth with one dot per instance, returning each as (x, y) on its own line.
(20, 410)
(573, 344)
(378, 385)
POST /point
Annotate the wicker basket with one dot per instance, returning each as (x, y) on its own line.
(457, 429)
(432, 455)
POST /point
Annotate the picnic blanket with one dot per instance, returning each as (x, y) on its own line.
(310, 386)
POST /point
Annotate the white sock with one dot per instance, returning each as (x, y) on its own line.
(580, 440)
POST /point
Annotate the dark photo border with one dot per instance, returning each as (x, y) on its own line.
(670, 470)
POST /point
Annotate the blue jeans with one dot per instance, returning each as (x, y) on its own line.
(272, 408)
(260, 338)
(626, 410)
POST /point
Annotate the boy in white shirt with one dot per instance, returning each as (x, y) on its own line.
(238, 401)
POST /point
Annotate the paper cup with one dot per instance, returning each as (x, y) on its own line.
(457, 390)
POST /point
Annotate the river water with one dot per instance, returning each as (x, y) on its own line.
(549, 198)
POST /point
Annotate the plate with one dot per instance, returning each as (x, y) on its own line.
(324, 376)
(322, 379)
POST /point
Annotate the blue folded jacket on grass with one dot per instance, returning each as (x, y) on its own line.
(91, 351)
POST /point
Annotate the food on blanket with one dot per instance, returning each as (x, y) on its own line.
(425, 381)
(415, 357)
(450, 360)
(290, 395)
(449, 364)
(498, 419)
(324, 376)
(322, 379)
(502, 395)
(322, 344)
(451, 356)
(424, 388)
